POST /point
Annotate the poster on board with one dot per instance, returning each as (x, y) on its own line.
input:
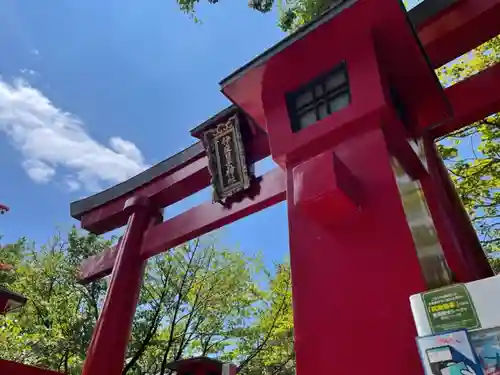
(449, 353)
(486, 343)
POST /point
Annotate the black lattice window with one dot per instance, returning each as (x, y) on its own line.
(319, 98)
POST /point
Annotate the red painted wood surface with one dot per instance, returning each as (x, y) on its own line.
(463, 27)
(208, 216)
(433, 189)
(193, 223)
(460, 29)
(472, 100)
(14, 368)
(351, 282)
(352, 279)
(98, 266)
(370, 57)
(456, 31)
(165, 190)
(467, 258)
(107, 349)
(336, 191)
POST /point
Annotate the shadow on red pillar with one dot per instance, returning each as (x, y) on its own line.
(459, 239)
(351, 282)
(106, 352)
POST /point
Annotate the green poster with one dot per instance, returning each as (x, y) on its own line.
(450, 308)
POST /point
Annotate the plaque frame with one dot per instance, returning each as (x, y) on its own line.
(218, 163)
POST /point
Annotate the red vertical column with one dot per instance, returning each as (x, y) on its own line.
(353, 266)
(107, 350)
(461, 245)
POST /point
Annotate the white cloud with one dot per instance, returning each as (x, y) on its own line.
(38, 170)
(126, 148)
(72, 184)
(28, 72)
(55, 143)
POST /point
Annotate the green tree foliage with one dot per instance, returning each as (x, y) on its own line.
(10, 256)
(54, 328)
(195, 300)
(495, 264)
(472, 154)
(268, 347)
(295, 13)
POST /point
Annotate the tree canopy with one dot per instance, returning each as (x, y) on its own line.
(472, 154)
(197, 299)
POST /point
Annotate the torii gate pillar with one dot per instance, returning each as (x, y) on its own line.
(345, 104)
(106, 352)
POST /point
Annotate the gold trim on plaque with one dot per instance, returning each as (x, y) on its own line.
(226, 159)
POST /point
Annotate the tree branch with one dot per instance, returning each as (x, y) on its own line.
(153, 327)
(268, 335)
(180, 298)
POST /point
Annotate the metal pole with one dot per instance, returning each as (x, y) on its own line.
(107, 349)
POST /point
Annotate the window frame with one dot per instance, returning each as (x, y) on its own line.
(295, 113)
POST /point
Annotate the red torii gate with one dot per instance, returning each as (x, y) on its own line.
(4, 209)
(327, 306)
(14, 368)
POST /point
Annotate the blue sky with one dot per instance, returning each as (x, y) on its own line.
(92, 92)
